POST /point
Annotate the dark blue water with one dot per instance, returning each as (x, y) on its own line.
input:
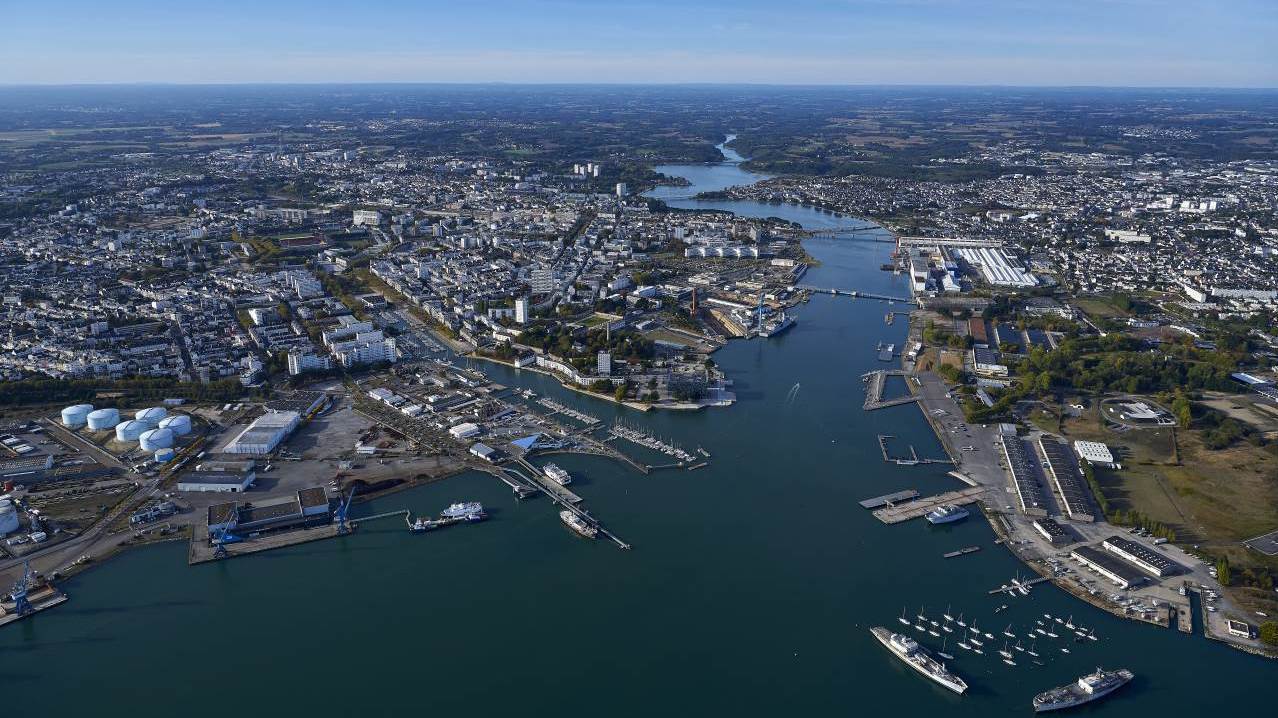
(749, 590)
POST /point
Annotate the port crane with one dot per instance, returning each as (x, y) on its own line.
(343, 507)
(21, 605)
(221, 537)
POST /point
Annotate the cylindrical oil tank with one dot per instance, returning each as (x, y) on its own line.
(164, 455)
(152, 415)
(155, 439)
(179, 424)
(130, 430)
(103, 419)
(74, 417)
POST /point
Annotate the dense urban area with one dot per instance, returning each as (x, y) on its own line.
(228, 313)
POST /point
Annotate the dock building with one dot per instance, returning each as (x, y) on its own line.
(1068, 480)
(1120, 573)
(1141, 556)
(1028, 492)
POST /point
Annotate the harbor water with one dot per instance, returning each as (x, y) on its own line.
(750, 589)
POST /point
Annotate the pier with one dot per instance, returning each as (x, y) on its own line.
(1026, 583)
(913, 459)
(855, 294)
(961, 552)
(889, 499)
(568, 505)
(915, 509)
(874, 390)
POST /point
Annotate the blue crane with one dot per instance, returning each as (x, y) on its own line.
(222, 536)
(21, 605)
(343, 507)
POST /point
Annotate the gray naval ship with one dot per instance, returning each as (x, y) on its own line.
(1090, 687)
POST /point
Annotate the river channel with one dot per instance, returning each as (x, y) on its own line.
(749, 591)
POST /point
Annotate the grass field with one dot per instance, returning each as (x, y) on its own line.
(1214, 499)
(1098, 307)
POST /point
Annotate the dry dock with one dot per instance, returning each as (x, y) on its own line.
(915, 509)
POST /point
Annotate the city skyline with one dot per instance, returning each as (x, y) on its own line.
(1123, 43)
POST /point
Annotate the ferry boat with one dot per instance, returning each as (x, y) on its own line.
(1088, 688)
(469, 510)
(578, 524)
(556, 474)
(918, 658)
(946, 514)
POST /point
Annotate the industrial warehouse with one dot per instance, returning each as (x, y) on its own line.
(264, 434)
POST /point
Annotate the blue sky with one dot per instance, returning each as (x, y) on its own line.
(1017, 42)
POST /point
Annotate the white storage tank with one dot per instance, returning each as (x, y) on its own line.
(155, 439)
(103, 419)
(179, 424)
(164, 455)
(74, 417)
(8, 517)
(130, 430)
(152, 415)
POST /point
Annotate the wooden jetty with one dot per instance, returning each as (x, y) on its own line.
(919, 507)
(886, 499)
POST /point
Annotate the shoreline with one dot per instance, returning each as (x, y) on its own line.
(637, 406)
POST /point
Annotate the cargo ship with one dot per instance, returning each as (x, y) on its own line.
(918, 658)
(578, 524)
(1090, 687)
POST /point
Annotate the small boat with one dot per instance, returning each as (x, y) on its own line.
(960, 621)
(964, 646)
(989, 635)
(934, 623)
(1041, 631)
(1004, 652)
(978, 651)
(1039, 663)
(1000, 609)
(947, 629)
(1052, 635)
(1008, 631)
(1019, 647)
(975, 642)
(1009, 661)
(904, 621)
(930, 632)
(1069, 623)
(947, 615)
(1048, 616)
(1091, 636)
(921, 617)
(1030, 650)
(1064, 649)
(942, 652)
(1058, 619)
(918, 627)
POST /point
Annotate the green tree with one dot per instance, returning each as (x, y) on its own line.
(1223, 572)
(1269, 633)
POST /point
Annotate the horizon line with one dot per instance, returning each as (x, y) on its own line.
(552, 83)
